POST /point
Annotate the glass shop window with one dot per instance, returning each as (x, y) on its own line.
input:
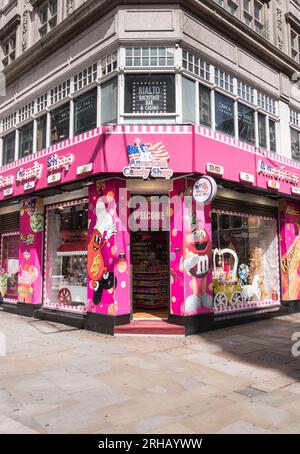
(9, 148)
(85, 111)
(150, 94)
(246, 124)
(272, 134)
(26, 140)
(41, 132)
(10, 267)
(204, 106)
(262, 131)
(60, 124)
(224, 107)
(245, 262)
(109, 101)
(66, 271)
(188, 100)
(295, 143)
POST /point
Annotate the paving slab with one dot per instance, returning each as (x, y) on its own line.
(242, 379)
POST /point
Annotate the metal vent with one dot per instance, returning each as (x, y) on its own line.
(10, 222)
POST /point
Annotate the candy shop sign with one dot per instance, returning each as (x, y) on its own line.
(56, 163)
(146, 169)
(34, 172)
(278, 173)
(6, 181)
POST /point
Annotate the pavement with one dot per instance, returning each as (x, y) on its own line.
(56, 379)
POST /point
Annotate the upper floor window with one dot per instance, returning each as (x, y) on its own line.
(253, 15)
(60, 124)
(266, 103)
(295, 45)
(149, 56)
(41, 102)
(85, 77)
(230, 5)
(224, 108)
(246, 92)
(295, 134)
(47, 17)
(9, 49)
(60, 92)
(9, 122)
(26, 140)
(109, 63)
(224, 80)
(196, 65)
(9, 148)
(85, 112)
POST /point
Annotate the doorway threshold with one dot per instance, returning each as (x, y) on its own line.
(150, 327)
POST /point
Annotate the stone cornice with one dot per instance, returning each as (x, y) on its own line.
(240, 33)
(207, 10)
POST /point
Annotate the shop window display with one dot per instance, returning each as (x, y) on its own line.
(245, 262)
(66, 255)
(10, 266)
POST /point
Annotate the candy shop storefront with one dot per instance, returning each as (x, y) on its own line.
(133, 222)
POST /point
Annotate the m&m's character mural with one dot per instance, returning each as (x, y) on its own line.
(197, 262)
(101, 277)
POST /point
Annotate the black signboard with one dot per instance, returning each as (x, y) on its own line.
(150, 94)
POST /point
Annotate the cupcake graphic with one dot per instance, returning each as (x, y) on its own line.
(27, 276)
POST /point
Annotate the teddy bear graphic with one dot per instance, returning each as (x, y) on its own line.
(101, 278)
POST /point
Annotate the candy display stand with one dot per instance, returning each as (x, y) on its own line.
(226, 289)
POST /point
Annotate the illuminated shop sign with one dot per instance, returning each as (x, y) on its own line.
(273, 185)
(54, 178)
(295, 190)
(279, 173)
(147, 160)
(29, 185)
(56, 162)
(34, 172)
(81, 170)
(8, 191)
(216, 169)
(6, 181)
(205, 190)
(247, 177)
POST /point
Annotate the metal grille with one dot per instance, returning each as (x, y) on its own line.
(10, 222)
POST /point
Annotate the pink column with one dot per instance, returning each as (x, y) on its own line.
(108, 250)
(191, 274)
(31, 251)
(290, 247)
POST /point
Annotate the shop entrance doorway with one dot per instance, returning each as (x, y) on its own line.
(150, 274)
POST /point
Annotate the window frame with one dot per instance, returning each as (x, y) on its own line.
(51, 18)
(10, 55)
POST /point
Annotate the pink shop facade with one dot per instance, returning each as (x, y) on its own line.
(109, 228)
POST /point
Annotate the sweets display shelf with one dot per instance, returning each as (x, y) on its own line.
(150, 271)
